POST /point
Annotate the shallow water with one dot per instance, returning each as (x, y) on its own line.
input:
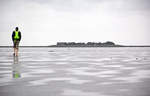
(75, 72)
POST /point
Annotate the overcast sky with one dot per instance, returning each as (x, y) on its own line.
(45, 22)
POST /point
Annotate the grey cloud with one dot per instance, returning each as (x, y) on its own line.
(86, 5)
(131, 5)
(137, 4)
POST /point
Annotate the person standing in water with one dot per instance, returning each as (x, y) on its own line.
(16, 37)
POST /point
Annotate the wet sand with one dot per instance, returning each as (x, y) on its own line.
(75, 72)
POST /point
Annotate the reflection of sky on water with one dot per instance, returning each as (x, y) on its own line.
(73, 92)
(77, 71)
(135, 77)
(45, 81)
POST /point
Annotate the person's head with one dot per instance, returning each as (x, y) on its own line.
(17, 28)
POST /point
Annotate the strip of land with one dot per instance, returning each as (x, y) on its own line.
(88, 44)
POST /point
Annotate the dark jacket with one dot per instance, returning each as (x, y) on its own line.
(13, 35)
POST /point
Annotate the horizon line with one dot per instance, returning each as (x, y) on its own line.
(82, 46)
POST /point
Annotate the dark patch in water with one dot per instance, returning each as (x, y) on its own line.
(51, 51)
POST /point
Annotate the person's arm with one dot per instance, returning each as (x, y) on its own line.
(19, 36)
(13, 34)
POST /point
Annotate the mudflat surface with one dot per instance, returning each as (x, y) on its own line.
(75, 72)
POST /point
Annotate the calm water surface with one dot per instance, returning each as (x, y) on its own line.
(75, 72)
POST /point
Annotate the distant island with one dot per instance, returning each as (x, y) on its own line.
(88, 44)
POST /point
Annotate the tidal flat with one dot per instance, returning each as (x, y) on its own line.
(118, 71)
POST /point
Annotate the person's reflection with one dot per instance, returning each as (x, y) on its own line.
(16, 68)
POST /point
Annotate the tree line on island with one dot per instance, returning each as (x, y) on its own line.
(88, 44)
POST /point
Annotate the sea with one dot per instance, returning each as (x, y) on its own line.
(100, 71)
